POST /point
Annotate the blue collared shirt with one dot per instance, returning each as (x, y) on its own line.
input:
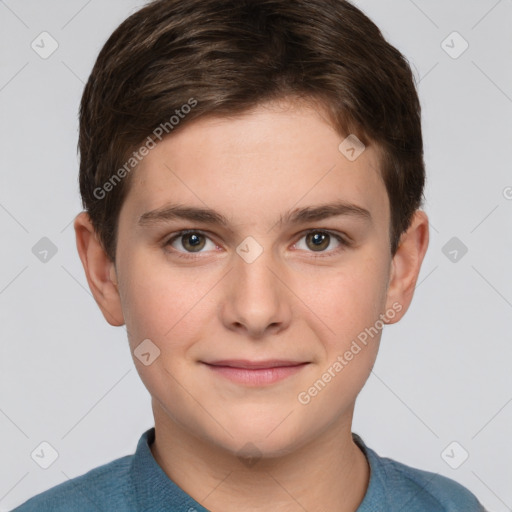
(137, 483)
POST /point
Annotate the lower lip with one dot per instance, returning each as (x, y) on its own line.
(256, 377)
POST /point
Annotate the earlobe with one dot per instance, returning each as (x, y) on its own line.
(406, 264)
(99, 270)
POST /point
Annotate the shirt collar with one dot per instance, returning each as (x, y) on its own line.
(154, 489)
(375, 497)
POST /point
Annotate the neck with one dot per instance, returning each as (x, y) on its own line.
(329, 473)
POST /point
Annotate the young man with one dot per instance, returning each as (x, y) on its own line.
(252, 173)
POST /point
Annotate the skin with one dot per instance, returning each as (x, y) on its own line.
(294, 301)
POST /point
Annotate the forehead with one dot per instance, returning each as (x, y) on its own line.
(256, 166)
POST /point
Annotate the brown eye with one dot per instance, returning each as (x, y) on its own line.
(318, 240)
(189, 242)
(193, 242)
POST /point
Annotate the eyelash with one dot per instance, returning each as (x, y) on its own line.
(194, 256)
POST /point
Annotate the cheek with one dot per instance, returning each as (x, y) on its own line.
(350, 331)
(163, 302)
(347, 300)
(160, 302)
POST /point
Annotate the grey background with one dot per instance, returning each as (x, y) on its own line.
(443, 373)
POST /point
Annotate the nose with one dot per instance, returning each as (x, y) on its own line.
(256, 301)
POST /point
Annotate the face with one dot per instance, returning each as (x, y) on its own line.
(264, 276)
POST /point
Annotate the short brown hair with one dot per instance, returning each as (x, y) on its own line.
(228, 56)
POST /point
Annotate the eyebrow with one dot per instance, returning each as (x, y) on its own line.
(296, 216)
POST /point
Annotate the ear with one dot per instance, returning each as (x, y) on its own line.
(99, 270)
(406, 265)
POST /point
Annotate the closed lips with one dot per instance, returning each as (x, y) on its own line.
(255, 365)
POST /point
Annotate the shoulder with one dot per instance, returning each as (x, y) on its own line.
(106, 487)
(432, 488)
(402, 487)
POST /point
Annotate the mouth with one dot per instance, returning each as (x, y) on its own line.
(255, 373)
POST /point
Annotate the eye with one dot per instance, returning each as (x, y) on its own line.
(188, 243)
(320, 240)
(191, 241)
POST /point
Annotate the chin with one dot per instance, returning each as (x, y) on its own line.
(267, 439)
